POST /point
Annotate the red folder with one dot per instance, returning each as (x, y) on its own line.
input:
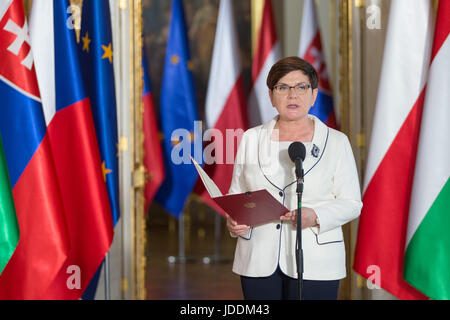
(249, 208)
(252, 208)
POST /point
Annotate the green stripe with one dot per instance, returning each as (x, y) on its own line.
(9, 228)
(427, 258)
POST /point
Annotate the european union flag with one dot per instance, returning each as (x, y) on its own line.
(96, 52)
(182, 135)
(98, 74)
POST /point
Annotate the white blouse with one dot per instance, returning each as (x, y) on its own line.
(331, 189)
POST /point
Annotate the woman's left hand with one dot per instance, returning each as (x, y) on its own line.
(308, 217)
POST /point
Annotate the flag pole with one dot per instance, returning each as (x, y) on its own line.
(181, 258)
(216, 255)
(107, 291)
(181, 244)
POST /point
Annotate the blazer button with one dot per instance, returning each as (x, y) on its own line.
(281, 194)
(278, 226)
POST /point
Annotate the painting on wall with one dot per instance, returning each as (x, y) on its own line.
(201, 20)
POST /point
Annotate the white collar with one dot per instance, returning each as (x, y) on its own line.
(267, 157)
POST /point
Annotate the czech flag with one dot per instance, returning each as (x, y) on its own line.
(72, 136)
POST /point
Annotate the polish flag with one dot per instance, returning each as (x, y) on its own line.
(225, 106)
(311, 50)
(267, 53)
(392, 155)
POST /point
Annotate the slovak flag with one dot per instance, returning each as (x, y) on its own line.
(72, 136)
(310, 49)
(43, 245)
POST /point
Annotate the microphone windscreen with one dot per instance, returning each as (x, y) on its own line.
(297, 150)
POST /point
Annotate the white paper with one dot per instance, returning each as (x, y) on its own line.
(210, 186)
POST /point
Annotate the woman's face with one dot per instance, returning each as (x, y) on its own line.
(293, 103)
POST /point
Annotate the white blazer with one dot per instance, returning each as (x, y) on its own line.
(331, 188)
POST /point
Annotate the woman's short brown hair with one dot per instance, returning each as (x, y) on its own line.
(289, 64)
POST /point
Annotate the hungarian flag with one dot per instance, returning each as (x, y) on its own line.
(153, 158)
(73, 140)
(393, 148)
(311, 50)
(427, 258)
(267, 53)
(9, 228)
(43, 244)
(225, 106)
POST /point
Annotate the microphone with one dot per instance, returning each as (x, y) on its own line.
(297, 153)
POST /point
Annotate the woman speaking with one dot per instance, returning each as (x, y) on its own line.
(265, 254)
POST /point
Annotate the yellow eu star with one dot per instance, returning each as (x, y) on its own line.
(86, 42)
(105, 171)
(108, 53)
(175, 59)
(175, 141)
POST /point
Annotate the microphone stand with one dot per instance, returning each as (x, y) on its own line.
(299, 248)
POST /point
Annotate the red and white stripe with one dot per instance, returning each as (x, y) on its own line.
(225, 102)
(393, 146)
(309, 28)
(267, 53)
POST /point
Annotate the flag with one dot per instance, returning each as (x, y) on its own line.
(153, 157)
(9, 228)
(98, 74)
(73, 140)
(225, 105)
(427, 257)
(182, 136)
(310, 49)
(393, 146)
(43, 243)
(96, 52)
(267, 53)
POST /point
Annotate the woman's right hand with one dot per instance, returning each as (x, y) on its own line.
(236, 229)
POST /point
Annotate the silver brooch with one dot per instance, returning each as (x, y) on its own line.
(315, 151)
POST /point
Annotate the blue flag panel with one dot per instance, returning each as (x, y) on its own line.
(178, 111)
(96, 53)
